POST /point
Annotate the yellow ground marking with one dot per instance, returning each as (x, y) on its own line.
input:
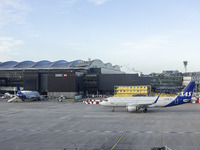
(119, 140)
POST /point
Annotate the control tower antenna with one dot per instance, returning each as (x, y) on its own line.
(185, 65)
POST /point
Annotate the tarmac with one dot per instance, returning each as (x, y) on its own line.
(52, 125)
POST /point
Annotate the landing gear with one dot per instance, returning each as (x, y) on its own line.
(113, 109)
(145, 110)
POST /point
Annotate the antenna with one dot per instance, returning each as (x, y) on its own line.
(185, 65)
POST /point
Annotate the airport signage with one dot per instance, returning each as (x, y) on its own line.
(60, 75)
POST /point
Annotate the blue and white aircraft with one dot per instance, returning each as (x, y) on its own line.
(25, 95)
(136, 103)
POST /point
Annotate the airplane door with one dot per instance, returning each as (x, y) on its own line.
(176, 101)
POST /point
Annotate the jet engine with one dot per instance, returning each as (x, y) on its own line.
(131, 108)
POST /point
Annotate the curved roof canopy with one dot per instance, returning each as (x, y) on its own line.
(42, 64)
(24, 64)
(61, 64)
(8, 64)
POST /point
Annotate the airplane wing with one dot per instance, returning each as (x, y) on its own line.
(12, 99)
(144, 104)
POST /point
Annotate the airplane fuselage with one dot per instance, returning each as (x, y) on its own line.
(32, 95)
(124, 101)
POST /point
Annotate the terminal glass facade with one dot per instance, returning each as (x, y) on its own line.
(166, 85)
(9, 80)
(90, 82)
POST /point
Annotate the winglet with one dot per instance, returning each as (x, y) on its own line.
(157, 99)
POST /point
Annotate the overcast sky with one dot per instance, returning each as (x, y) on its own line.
(139, 35)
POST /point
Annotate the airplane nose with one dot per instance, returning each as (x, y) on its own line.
(102, 103)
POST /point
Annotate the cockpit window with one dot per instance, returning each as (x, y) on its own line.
(105, 100)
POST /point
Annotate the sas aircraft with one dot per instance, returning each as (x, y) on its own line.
(25, 95)
(136, 103)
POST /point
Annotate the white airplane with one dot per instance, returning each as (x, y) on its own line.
(135, 103)
(25, 95)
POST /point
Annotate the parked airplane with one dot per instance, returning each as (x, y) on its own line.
(25, 95)
(135, 103)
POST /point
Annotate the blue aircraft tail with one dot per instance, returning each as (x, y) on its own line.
(18, 89)
(184, 96)
(20, 94)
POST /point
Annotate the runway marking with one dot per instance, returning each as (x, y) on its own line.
(97, 131)
(119, 140)
(65, 117)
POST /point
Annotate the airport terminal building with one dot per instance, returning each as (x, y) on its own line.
(82, 78)
(65, 78)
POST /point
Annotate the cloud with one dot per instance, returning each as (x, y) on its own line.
(151, 43)
(98, 2)
(13, 11)
(64, 6)
(8, 47)
(69, 3)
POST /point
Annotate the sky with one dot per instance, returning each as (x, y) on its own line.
(138, 35)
